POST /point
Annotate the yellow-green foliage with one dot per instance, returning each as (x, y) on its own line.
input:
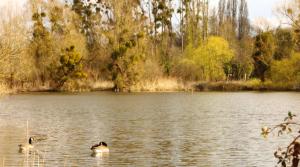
(286, 70)
(4, 89)
(207, 61)
(69, 67)
(126, 61)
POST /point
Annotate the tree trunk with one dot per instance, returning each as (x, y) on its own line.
(11, 80)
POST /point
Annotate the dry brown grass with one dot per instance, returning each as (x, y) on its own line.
(162, 85)
(250, 85)
(102, 85)
(4, 89)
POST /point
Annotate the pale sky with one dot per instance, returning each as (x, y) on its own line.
(257, 8)
(5, 2)
(261, 8)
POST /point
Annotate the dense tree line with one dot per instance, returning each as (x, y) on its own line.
(130, 41)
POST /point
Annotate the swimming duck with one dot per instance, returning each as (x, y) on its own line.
(28, 146)
(100, 148)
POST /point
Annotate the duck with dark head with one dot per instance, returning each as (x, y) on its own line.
(100, 148)
(27, 146)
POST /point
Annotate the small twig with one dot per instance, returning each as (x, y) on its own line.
(283, 124)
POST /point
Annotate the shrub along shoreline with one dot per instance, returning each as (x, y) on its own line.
(251, 85)
(163, 85)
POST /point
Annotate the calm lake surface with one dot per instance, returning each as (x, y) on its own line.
(146, 129)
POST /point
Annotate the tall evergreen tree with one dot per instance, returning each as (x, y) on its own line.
(263, 54)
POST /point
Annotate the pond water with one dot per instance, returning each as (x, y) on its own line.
(145, 129)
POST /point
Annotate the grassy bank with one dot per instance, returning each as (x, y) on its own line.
(4, 89)
(250, 85)
(159, 85)
(163, 85)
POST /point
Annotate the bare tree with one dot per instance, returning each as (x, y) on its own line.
(13, 44)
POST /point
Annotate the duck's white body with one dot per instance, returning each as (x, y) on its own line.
(25, 147)
(100, 149)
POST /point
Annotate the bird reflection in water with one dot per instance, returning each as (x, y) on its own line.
(101, 158)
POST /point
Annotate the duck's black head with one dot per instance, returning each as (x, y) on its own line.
(30, 140)
(102, 144)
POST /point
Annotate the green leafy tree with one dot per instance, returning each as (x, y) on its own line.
(285, 44)
(213, 57)
(287, 70)
(69, 67)
(209, 60)
(125, 62)
(264, 47)
(64, 32)
(127, 42)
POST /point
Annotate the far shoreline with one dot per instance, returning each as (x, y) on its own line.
(222, 86)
